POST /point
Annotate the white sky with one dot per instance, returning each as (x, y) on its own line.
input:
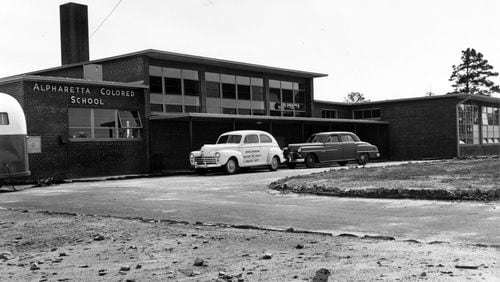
(385, 49)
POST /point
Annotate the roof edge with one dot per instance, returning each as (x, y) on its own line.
(138, 84)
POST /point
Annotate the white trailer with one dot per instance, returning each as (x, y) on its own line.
(13, 139)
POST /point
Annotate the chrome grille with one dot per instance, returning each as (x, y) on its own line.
(204, 160)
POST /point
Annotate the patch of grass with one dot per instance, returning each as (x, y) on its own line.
(447, 174)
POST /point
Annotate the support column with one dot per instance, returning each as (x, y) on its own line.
(190, 134)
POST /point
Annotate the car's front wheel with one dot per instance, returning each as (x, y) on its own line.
(310, 161)
(231, 166)
(363, 159)
(275, 162)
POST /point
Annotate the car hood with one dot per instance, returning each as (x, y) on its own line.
(300, 145)
(212, 148)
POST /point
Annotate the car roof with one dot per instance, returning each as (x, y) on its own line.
(245, 132)
(334, 132)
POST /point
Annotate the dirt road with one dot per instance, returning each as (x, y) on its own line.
(36, 246)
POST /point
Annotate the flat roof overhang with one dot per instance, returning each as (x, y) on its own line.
(206, 116)
(192, 59)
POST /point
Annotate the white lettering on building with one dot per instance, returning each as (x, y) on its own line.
(117, 92)
(60, 89)
(86, 101)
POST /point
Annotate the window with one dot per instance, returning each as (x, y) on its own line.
(130, 124)
(230, 94)
(328, 113)
(333, 139)
(86, 123)
(490, 129)
(233, 139)
(366, 114)
(4, 119)
(286, 98)
(265, 139)
(347, 138)
(468, 124)
(251, 139)
(174, 90)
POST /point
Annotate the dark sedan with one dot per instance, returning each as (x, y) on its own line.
(339, 147)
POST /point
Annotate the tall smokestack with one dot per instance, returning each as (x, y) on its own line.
(74, 33)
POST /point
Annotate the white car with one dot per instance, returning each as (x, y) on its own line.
(238, 149)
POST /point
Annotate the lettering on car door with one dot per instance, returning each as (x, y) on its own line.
(251, 150)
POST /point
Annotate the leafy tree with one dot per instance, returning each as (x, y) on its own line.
(472, 75)
(355, 97)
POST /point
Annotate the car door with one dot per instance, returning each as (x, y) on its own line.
(348, 147)
(266, 143)
(251, 151)
(333, 148)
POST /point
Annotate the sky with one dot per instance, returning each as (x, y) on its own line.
(384, 49)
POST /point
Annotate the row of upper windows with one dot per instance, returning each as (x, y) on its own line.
(227, 94)
(356, 114)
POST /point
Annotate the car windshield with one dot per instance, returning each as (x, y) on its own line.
(232, 139)
(321, 138)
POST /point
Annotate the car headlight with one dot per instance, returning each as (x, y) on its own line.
(299, 150)
(191, 158)
(217, 155)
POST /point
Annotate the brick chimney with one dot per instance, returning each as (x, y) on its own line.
(74, 33)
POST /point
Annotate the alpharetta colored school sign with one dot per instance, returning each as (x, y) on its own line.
(83, 95)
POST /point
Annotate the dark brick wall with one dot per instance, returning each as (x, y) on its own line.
(169, 145)
(69, 72)
(14, 89)
(60, 157)
(128, 69)
(419, 129)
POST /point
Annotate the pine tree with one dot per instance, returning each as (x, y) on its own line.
(472, 75)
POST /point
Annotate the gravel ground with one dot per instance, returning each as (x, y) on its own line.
(37, 246)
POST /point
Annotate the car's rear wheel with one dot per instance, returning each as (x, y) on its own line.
(363, 159)
(201, 171)
(310, 160)
(231, 166)
(291, 165)
(275, 163)
(342, 163)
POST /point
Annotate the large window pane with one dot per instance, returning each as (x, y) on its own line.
(104, 118)
(79, 121)
(173, 86)
(79, 117)
(287, 96)
(228, 91)
(155, 84)
(244, 92)
(191, 87)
